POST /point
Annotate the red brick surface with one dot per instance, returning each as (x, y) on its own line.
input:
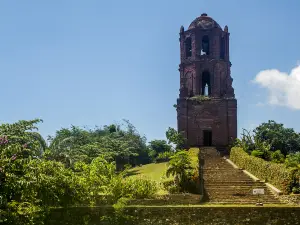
(220, 113)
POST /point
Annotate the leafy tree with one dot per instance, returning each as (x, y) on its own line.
(66, 145)
(175, 138)
(280, 138)
(21, 135)
(112, 128)
(32, 180)
(159, 146)
(122, 145)
(246, 142)
(254, 145)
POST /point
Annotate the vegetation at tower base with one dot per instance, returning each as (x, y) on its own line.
(277, 174)
(179, 175)
(78, 168)
(200, 98)
(275, 155)
(164, 156)
(184, 167)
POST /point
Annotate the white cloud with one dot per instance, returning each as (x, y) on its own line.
(260, 104)
(283, 89)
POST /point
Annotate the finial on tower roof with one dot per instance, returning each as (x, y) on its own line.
(226, 29)
(181, 29)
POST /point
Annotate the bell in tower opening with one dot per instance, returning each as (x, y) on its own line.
(206, 90)
(205, 71)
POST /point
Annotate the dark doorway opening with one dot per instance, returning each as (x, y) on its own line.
(188, 47)
(207, 137)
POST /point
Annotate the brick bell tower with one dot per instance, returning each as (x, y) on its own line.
(206, 107)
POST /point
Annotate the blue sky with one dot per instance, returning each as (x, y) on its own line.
(96, 62)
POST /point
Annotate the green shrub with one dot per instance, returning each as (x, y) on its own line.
(22, 213)
(133, 187)
(170, 186)
(139, 187)
(200, 98)
(277, 157)
(166, 182)
(173, 189)
(164, 156)
(293, 160)
(257, 153)
(181, 168)
(296, 190)
(184, 167)
(277, 174)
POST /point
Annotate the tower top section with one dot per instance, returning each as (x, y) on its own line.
(204, 22)
(204, 39)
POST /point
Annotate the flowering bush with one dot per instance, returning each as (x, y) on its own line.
(3, 140)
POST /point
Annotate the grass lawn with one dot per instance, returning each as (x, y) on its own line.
(153, 171)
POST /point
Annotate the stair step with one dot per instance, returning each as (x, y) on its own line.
(233, 186)
(234, 179)
(235, 183)
(243, 203)
(225, 184)
(242, 198)
(237, 195)
(232, 190)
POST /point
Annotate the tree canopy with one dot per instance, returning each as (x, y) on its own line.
(280, 138)
(78, 167)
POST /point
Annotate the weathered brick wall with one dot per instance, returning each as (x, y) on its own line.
(220, 114)
(217, 115)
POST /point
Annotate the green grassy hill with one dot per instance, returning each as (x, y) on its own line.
(153, 171)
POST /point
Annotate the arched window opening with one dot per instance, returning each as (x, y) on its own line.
(205, 45)
(188, 47)
(222, 53)
(206, 86)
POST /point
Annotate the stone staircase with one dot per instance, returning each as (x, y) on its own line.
(224, 184)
